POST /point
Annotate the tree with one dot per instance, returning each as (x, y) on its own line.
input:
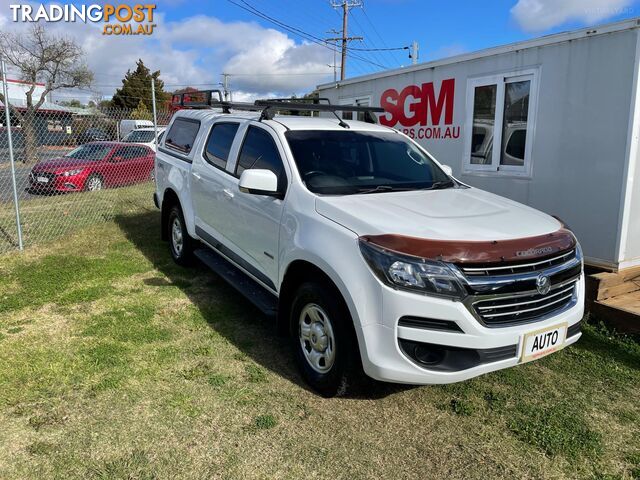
(136, 87)
(40, 57)
(141, 112)
(75, 103)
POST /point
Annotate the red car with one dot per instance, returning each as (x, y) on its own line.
(94, 166)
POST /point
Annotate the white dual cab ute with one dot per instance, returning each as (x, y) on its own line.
(370, 255)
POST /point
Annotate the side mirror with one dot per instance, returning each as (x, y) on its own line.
(259, 182)
(117, 159)
(447, 169)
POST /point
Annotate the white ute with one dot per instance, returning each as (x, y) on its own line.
(370, 255)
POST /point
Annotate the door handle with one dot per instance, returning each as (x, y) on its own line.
(196, 175)
(228, 193)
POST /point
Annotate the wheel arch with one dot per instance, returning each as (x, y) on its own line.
(297, 272)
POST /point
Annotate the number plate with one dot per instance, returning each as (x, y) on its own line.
(43, 179)
(542, 342)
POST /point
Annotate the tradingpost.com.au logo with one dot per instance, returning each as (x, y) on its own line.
(118, 19)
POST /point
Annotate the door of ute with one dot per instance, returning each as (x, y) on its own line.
(213, 186)
(257, 227)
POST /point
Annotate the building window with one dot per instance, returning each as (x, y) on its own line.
(501, 111)
(359, 101)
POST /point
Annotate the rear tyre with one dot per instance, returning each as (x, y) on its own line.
(94, 183)
(324, 342)
(181, 245)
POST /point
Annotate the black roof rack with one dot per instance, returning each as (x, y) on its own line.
(271, 106)
(268, 107)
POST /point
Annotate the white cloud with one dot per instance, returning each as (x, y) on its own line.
(540, 15)
(197, 50)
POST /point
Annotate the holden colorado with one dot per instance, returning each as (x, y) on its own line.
(372, 258)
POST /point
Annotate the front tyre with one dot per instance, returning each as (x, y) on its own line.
(325, 345)
(181, 245)
(94, 183)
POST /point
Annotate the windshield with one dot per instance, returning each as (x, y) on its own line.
(346, 162)
(140, 136)
(90, 151)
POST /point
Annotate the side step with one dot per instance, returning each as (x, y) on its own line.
(264, 300)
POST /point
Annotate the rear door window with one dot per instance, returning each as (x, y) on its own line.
(219, 144)
(182, 134)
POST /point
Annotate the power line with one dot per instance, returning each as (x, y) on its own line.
(375, 30)
(294, 30)
(378, 56)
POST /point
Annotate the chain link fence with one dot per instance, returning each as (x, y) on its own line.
(72, 167)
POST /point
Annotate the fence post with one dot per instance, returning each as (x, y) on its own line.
(5, 94)
(155, 117)
(155, 121)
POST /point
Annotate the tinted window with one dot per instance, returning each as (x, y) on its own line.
(140, 136)
(347, 162)
(219, 144)
(125, 153)
(182, 134)
(90, 151)
(259, 151)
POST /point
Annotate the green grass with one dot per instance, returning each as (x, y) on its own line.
(45, 218)
(116, 363)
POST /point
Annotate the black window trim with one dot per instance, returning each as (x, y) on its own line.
(176, 148)
(244, 139)
(204, 150)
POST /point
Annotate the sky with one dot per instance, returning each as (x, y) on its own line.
(196, 41)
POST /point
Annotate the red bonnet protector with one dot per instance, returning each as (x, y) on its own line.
(481, 252)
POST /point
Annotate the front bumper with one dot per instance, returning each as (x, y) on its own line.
(56, 183)
(385, 359)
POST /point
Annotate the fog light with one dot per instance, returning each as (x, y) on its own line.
(428, 354)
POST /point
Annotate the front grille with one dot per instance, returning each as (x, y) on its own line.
(34, 178)
(507, 310)
(510, 268)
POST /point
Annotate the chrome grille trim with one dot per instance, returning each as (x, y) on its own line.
(515, 268)
(483, 284)
(526, 302)
(518, 312)
(562, 297)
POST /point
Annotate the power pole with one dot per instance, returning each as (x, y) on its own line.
(345, 5)
(414, 52)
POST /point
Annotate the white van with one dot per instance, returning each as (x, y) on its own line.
(127, 126)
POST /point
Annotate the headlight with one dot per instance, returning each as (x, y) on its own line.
(422, 275)
(71, 173)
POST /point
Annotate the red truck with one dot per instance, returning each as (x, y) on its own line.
(94, 166)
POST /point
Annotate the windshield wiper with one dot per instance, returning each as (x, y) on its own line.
(383, 188)
(439, 185)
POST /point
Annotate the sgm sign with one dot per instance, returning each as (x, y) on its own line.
(420, 105)
(134, 19)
